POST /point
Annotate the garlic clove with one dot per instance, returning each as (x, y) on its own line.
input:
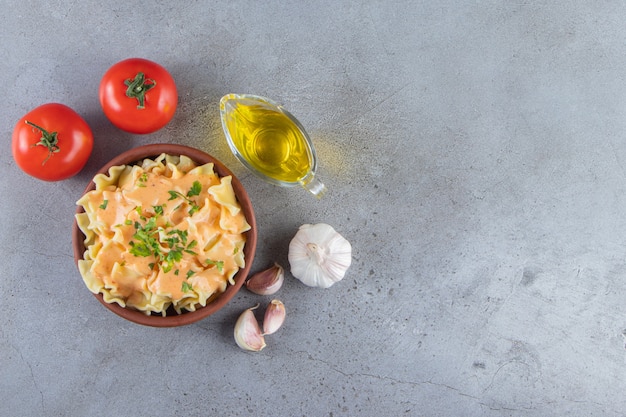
(319, 256)
(267, 282)
(274, 317)
(248, 334)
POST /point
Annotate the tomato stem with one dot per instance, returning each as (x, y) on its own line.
(137, 88)
(49, 140)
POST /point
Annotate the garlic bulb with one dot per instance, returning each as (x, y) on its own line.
(319, 256)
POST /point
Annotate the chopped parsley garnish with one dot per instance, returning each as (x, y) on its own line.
(186, 285)
(146, 240)
(158, 210)
(175, 237)
(195, 190)
(218, 264)
(141, 181)
(190, 246)
(104, 204)
(167, 248)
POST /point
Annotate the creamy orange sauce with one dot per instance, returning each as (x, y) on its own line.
(201, 234)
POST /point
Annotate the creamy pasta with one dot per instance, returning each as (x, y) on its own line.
(165, 232)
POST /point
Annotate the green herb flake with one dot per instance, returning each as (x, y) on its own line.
(195, 189)
(151, 224)
(165, 267)
(141, 181)
(172, 241)
(151, 239)
(191, 245)
(140, 249)
(175, 255)
(145, 240)
(104, 204)
(218, 264)
(186, 287)
(190, 273)
(173, 195)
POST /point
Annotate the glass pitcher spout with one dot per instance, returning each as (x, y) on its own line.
(314, 186)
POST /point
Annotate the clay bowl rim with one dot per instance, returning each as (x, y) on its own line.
(138, 154)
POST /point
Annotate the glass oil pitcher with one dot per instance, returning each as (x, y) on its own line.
(270, 141)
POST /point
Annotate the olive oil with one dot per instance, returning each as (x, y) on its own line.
(269, 141)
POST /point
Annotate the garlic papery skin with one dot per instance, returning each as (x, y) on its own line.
(267, 282)
(248, 334)
(274, 317)
(319, 256)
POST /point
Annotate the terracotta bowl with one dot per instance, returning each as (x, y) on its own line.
(173, 319)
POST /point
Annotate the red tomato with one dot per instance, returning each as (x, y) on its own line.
(138, 96)
(52, 142)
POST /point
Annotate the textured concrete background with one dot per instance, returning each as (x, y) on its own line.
(475, 158)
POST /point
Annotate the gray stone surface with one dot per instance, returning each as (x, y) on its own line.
(475, 158)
